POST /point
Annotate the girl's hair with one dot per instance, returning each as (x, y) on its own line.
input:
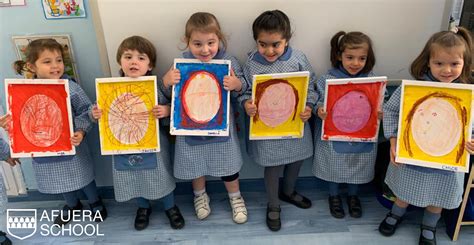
(445, 39)
(140, 44)
(33, 51)
(351, 40)
(206, 23)
(272, 21)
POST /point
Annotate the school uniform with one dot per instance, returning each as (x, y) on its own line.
(276, 152)
(416, 185)
(337, 161)
(4, 154)
(63, 174)
(197, 156)
(153, 178)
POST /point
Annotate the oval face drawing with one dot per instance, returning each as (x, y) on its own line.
(128, 118)
(41, 121)
(351, 112)
(277, 104)
(201, 97)
(436, 127)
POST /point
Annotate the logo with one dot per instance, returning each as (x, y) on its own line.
(21, 223)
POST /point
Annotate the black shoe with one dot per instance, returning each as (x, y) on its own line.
(4, 239)
(102, 211)
(355, 209)
(424, 240)
(387, 229)
(273, 224)
(175, 217)
(67, 214)
(142, 219)
(335, 207)
(294, 199)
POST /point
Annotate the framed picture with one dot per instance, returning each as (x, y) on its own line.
(127, 125)
(21, 42)
(352, 106)
(200, 104)
(280, 98)
(63, 9)
(434, 125)
(12, 3)
(41, 115)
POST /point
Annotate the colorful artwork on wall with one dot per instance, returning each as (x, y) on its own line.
(200, 104)
(352, 106)
(21, 42)
(41, 117)
(127, 124)
(434, 125)
(280, 98)
(63, 9)
(12, 3)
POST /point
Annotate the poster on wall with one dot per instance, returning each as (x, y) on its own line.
(63, 9)
(127, 125)
(352, 106)
(280, 98)
(12, 3)
(200, 104)
(21, 42)
(41, 117)
(435, 122)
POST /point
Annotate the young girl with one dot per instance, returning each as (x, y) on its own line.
(196, 157)
(137, 57)
(445, 58)
(343, 162)
(66, 175)
(272, 32)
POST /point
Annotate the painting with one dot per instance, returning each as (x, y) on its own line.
(352, 106)
(21, 42)
(200, 104)
(11, 3)
(434, 125)
(127, 125)
(63, 9)
(41, 117)
(280, 98)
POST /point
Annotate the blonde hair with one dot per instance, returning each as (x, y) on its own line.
(206, 23)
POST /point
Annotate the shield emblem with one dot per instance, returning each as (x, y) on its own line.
(21, 223)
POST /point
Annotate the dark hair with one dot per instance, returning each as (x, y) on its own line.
(351, 40)
(206, 23)
(33, 51)
(272, 21)
(445, 39)
(140, 44)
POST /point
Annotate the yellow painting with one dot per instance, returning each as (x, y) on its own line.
(434, 125)
(280, 98)
(127, 125)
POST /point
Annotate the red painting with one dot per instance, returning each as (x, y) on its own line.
(41, 120)
(352, 108)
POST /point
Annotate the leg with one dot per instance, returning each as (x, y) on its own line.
(428, 225)
(239, 211)
(353, 202)
(393, 218)
(335, 203)
(142, 219)
(288, 193)
(201, 199)
(272, 175)
(72, 203)
(172, 211)
(95, 201)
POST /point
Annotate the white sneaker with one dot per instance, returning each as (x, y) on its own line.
(201, 205)
(239, 211)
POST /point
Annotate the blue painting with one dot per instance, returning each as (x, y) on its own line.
(200, 104)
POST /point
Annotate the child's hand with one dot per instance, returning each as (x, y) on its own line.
(380, 115)
(322, 114)
(470, 146)
(172, 77)
(393, 151)
(96, 112)
(250, 108)
(306, 114)
(77, 137)
(232, 83)
(13, 161)
(161, 111)
(5, 121)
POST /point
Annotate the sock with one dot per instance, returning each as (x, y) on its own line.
(234, 194)
(199, 192)
(398, 211)
(429, 219)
